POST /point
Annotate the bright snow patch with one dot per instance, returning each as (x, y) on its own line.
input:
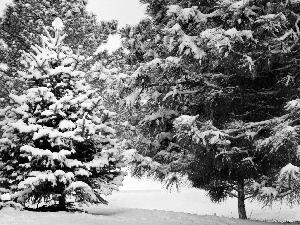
(58, 24)
(3, 66)
(290, 170)
(5, 197)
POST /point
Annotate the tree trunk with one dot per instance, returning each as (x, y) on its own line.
(241, 200)
(62, 202)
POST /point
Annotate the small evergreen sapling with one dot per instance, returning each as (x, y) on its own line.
(58, 138)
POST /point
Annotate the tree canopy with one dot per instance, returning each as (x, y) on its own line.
(23, 21)
(216, 96)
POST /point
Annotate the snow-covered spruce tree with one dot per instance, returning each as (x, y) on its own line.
(215, 94)
(58, 139)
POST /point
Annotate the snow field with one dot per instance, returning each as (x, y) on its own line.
(146, 194)
(145, 202)
(114, 216)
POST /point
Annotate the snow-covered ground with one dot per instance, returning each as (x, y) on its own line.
(145, 202)
(115, 216)
(144, 194)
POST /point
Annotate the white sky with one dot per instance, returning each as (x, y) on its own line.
(126, 11)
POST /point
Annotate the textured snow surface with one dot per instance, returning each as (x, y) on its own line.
(114, 216)
(145, 194)
(145, 202)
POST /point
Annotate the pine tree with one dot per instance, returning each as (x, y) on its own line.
(216, 96)
(58, 138)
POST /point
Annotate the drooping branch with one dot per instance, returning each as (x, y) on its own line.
(296, 23)
(256, 124)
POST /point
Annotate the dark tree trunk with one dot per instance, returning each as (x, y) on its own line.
(62, 202)
(241, 200)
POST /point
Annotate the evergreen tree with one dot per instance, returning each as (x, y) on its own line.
(23, 22)
(216, 97)
(58, 138)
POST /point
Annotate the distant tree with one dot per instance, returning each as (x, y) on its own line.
(141, 41)
(23, 21)
(58, 139)
(216, 97)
